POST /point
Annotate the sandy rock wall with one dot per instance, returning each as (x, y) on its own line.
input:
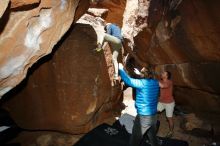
(182, 37)
(115, 10)
(28, 33)
(192, 54)
(179, 36)
(70, 90)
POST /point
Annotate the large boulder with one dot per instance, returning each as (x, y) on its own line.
(29, 30)
(71, 90)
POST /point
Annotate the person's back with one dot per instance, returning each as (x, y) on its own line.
(147, 97)
(114, 30)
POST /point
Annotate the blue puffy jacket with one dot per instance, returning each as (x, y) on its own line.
(114, 30)
(147, 91)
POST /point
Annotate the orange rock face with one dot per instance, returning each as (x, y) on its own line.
(115, 10)
(22, 3)
(192, 54)
(181, 37)
(28, 35)
(71, 89)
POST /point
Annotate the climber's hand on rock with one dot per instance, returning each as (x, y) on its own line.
(136, 71)
(99, 45)
(120, 66)
(98, 49)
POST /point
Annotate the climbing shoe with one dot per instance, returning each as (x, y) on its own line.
(98, 49)
(169, 134)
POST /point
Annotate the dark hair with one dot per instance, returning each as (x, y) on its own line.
(148, 72)
(168, 75)
(105, 27)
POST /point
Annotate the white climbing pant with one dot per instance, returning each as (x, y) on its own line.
(116, 46)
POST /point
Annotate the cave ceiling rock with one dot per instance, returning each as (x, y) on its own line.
(3, 6)
(95, 21)
(30, 35)
(23, 3)
(97, 12)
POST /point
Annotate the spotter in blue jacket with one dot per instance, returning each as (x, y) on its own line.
(147, 91)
